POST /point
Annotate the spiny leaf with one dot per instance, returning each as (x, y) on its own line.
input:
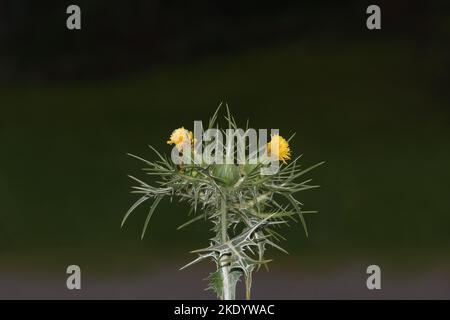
(150, 213)
(134, 206)
(192, 220)
(305, 171)
(137, 180)
(159, 154)
(141, 159)
(201, 257)
(215, 281)
(213, 119)
(299, 211)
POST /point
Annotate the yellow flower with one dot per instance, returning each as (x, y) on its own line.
(279, 147)
(179, 137)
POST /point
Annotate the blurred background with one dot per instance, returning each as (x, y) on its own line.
(373, 104)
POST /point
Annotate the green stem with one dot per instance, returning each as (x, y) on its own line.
(223, 220)
(228, 291)
(248, 286)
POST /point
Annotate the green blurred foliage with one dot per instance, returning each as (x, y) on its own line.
(371, 112)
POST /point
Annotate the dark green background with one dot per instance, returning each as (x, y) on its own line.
(373, 105)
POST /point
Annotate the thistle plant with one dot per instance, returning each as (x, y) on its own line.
(244, 206)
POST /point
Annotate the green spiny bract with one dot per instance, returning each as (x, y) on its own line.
(245, 208)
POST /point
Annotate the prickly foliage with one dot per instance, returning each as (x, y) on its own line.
(245, 215)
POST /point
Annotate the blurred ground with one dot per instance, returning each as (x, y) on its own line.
(347, 281)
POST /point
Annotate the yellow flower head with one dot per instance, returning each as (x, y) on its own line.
(179, 137)
(279, 147)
